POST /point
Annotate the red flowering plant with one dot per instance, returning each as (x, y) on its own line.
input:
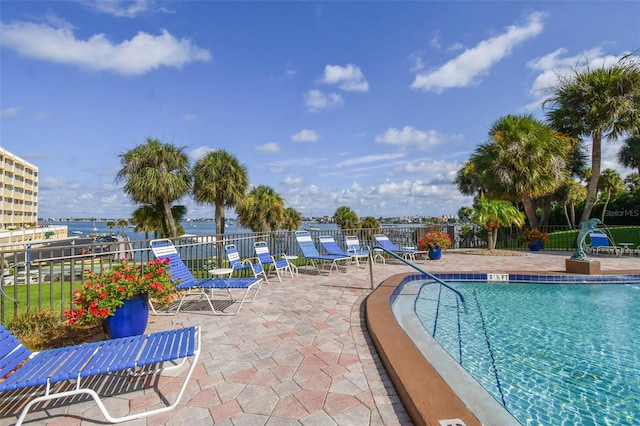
(433, 240)
(102, 293)
(530, 236)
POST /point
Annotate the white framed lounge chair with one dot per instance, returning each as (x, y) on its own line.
(191, 286)
(311, 254)
(249, 264)
(407, 253)
(42, 372)
(330, 246)
(267, 260)
(354, 250)
(600, 242)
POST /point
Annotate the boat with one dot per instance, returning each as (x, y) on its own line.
(76, 232)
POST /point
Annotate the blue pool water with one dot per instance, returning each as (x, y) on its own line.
(560, 354)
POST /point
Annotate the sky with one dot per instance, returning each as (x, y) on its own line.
(373, 105)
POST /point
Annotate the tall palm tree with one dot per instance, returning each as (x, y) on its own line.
(292, 219)
(156, 173)
(524, 159)
(493, 214)
(600, 103)
(575, 193)
(148, 218)
(123, 223)
(609, 182)
(262, 210)
(346, 218)
(111, 224)
(632, 181)
(220, 179)
(629, 154)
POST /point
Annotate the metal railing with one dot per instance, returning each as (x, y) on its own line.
(412, 265)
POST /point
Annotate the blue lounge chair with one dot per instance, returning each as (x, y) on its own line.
(266, 259)
(191, 286)
(407, 253)
(355, 251)
(311, 254)
(600, 243)
(237, 264)
(330, 246)
(42, 371)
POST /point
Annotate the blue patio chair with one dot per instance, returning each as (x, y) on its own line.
(266, 259)
(600, 242)
(41, 371)
(355, 251)
(311, 254)
(191, 286)
(407, 253)
(330, 247)
(250, 264)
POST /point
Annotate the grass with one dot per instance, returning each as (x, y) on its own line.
(565, 240)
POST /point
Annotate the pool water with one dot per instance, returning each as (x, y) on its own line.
(560, 354)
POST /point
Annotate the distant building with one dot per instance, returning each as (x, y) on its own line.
(18, 192)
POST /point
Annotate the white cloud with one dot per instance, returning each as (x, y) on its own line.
(199, 152)
(306, 135)
(349, 78)
(189, 117)
(371, 159)
(317, 101)
(269, 147)
(293, 181)
(124, 9)
(276, 170)
(557, 65)
(409, 136)
(474, 63)
(139, 55)
(10, 112)
(432, 168)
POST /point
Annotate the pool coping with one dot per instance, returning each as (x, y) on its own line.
(412, 373)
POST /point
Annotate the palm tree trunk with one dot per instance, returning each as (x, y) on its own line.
(573, 215)
(219, 220)
(530, 211)
(606, 203)
(566, 214)
(592, 188)
(169, 217)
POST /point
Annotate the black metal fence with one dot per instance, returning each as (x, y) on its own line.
(44, 276)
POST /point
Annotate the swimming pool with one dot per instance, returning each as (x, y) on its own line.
(550, 354)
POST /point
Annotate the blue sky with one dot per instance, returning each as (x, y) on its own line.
(372, 105)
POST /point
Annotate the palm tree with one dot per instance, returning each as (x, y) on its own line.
(629, 154)
(609, 182)
(292, 219)
(632, 181)
(156, 173)
(262, 210)
(523, 160)
(123, 223)
(598, 103)
(346, 218)
(492, 214)
(111, 224)
(149, 218)
(220, 179)
(575, 193)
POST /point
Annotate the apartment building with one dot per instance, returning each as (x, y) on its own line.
(18, 192)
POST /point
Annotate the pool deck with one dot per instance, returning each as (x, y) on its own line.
(300, 354)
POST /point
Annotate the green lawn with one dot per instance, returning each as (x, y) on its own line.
(566, 239)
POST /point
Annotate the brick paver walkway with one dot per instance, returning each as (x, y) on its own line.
(298, 355)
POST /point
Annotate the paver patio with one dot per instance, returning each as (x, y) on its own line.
(298, 355)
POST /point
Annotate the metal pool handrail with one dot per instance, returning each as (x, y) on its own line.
(414, 266)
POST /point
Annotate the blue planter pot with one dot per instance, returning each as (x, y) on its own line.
(535, 246)
(436, 253)
(129, 319)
